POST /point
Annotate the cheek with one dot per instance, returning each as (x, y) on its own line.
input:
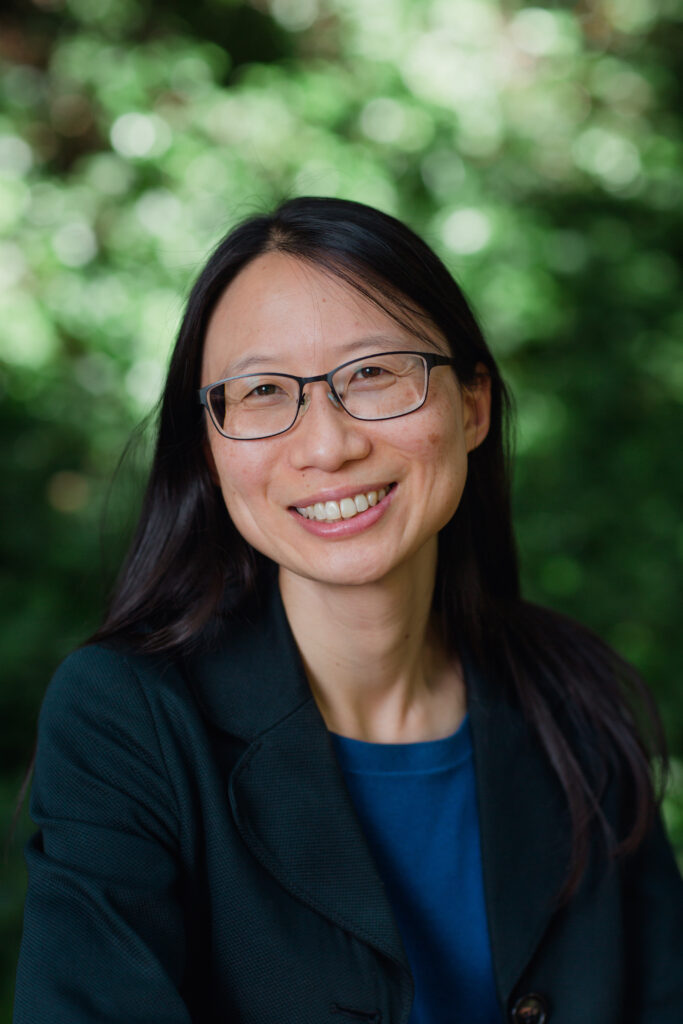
(242, 476)
(445, 434)
(439, 454)
(438, 441)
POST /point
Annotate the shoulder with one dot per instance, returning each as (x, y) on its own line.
(96, 677)
(165, 704)
(105, 704)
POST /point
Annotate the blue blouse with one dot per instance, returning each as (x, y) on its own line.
(417, 805)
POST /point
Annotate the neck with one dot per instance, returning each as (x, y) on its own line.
(377, 667)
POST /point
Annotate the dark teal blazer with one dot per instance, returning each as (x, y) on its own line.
(199, 859)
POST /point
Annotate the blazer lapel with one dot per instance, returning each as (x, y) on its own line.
(287, 792)
(524, 828)
(294, 812)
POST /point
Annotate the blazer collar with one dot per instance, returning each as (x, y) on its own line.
(251, 676)
(293, 810)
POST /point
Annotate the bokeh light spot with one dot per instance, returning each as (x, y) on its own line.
(12, 265)
(109, 174)
(140, 135)
(383, 120)
(75, 244)
(143, 382)
(294, 15)
(610, 157)
(540, 32)
(27, 338)
(16, 156)
(159, 211)
(466, 231)
(633, 16)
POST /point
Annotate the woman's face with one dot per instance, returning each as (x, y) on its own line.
(285, 315)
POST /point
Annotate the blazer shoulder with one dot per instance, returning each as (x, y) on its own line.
(99, 688)
(95, 671)
(101, 735)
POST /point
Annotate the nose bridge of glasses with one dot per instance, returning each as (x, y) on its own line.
(305, 397)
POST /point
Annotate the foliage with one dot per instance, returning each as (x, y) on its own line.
(536, 148)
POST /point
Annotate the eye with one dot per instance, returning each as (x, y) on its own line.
(368, 372)
(371, 376)
(263, 391)
(260, 390)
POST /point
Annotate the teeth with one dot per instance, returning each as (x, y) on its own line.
(347, 508)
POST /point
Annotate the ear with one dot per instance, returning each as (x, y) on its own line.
(211, 462)
(476, 398)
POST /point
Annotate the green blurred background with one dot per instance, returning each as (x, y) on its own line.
(536, 148)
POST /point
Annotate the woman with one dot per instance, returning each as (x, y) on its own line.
(321, 761)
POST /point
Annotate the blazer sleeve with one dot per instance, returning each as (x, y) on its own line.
(654, 931)
(104, 937)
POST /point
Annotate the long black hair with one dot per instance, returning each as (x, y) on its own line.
(187, 555)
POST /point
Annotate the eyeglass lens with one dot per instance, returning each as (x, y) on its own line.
(375, 388)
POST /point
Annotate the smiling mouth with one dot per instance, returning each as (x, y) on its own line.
(347, 508)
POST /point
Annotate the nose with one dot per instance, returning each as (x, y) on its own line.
(325, 436)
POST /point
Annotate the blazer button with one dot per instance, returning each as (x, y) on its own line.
(530, 1009)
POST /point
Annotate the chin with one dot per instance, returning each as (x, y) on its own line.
(345, 573)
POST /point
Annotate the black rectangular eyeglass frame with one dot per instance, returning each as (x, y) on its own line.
(431, 360)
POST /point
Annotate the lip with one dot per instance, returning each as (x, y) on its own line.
(337, 493)
(341, 528)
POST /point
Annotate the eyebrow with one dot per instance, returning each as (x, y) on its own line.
(385, 342)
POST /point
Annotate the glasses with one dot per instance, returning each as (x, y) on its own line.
(377, 387)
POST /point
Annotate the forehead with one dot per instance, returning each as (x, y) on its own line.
(282, 310)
